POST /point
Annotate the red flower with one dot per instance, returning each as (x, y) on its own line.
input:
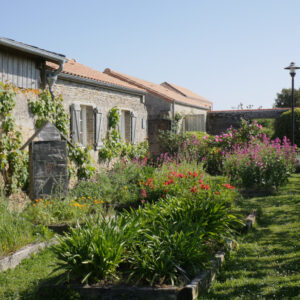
(195, 174)
(217, 193)
(190, 173)
(143, 201)
(228, 186)
(204, 187)
(180, 175)
(200, 181)
(193, 189)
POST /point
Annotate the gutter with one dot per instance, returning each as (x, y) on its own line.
(96, 83)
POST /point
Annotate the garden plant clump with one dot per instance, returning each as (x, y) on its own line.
(183, 218)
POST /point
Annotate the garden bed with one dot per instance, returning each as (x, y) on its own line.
(109, 292)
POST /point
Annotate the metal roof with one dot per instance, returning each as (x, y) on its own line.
(48, 55)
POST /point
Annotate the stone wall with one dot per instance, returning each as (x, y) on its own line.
(218, 121)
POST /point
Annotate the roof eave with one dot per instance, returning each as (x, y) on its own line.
(191, 105)
(93, 82)
(56, 58)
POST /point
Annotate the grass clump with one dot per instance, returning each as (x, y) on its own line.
(16, 231)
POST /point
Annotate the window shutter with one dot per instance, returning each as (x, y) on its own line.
(133, 128)
(122, 125)
(75, 123)
(98, 127)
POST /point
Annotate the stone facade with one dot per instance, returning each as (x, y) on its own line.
(82, 94)
(76, 93)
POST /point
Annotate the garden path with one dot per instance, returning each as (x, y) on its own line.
(267, 265)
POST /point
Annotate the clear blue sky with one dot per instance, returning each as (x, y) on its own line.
(229, 51)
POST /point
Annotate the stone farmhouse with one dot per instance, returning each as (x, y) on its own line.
(90, 94)
(164, 101)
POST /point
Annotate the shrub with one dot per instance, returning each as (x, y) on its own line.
(260, 164)
(283, 125)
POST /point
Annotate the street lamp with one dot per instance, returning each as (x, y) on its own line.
(292, 67)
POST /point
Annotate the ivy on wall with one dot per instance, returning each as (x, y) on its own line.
(48, 109)
(13, 161)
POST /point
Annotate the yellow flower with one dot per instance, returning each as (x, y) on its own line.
(101, 201)
(125, 187)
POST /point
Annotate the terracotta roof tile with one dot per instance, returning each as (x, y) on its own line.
(72, 67)
(160, 90)
(184, 91)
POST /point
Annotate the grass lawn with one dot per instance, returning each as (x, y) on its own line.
(267, 265)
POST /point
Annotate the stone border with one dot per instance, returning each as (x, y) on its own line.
(14, 259)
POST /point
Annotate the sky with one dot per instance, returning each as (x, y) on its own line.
(228, 51)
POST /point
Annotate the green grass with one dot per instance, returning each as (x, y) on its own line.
(267, 265)
(23, 281)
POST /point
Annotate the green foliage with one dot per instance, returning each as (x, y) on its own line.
(13, 161)
(268, 127)
(113, 118)
(48, 109)
(119, 185)
(284, 98)
(155, 242)
(82, 158)
(62, 211)
(283, 125)
(94, 251)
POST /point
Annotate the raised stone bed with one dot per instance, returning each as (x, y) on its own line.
(11, 261)
(189, 292)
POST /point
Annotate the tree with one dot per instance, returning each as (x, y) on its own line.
(284, 98)
(283, 125)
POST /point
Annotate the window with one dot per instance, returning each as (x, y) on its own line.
(194, 123)
(127, 126)
(86, 125)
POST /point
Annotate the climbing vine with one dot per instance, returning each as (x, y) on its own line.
(48, 109)
(113, 146)
(13, 161)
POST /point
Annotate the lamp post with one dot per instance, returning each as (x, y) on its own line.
(292, 67)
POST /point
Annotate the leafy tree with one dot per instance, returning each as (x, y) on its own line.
(283, 125)
(284, 98)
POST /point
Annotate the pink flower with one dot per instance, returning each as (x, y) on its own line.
(143, 194)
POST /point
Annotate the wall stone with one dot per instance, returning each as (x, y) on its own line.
(218, 121)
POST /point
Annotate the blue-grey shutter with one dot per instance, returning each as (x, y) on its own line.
(75, 123)
(133, 128)
(98, 128)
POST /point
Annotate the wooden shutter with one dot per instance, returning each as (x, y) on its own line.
(122, 124)
(133, 128)
(98, 127)
(75, 123)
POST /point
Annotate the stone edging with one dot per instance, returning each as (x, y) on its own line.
(14, 259)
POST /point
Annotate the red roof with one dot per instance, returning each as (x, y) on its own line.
(161, 91)
(72, 67)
